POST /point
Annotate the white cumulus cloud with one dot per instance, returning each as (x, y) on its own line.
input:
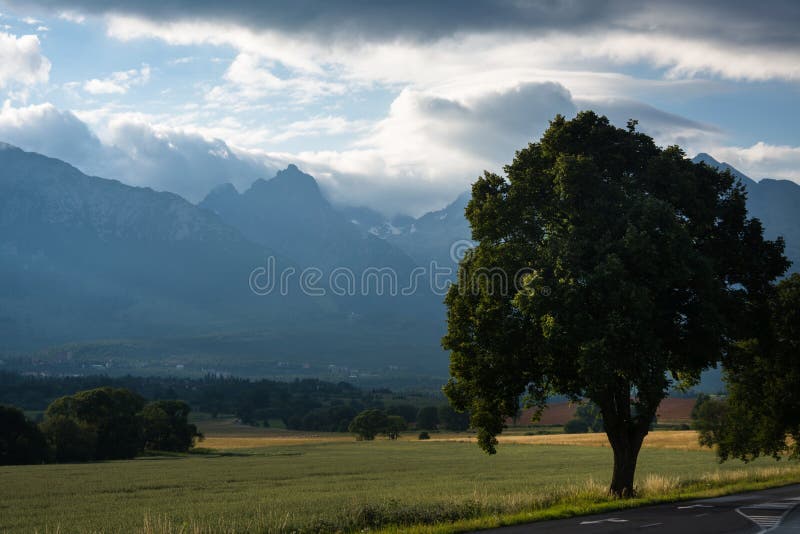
(21, 60)
(119, 82)
(762, 160)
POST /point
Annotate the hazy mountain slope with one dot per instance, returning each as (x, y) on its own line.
(432, 236)
(437, 236)
(127, 274)
(775, 202)
(427, 238)
(289, 214)
(83, 257)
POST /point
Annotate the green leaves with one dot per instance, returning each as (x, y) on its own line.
(763, 406)
(641, 264)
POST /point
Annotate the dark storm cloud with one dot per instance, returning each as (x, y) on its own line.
(768, 22)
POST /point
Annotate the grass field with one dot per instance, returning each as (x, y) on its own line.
(304, 483)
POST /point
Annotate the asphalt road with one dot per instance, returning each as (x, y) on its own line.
(774, 510)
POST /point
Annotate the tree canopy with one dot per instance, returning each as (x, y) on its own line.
(166, 427)
(111, 414)
(763, 381)
(21, 441)
(369, 424)
(606, 268)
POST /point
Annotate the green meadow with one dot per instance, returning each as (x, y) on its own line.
(351, 486)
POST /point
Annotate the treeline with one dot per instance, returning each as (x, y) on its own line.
(307, 404)
(301, 404)
(98, 424)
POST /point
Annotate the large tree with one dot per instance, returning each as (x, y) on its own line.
(761, 415)
(606, 268)
(110, 415)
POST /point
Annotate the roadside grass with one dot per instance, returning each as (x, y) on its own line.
(348, 486)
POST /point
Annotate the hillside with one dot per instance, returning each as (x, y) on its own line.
(130, 278)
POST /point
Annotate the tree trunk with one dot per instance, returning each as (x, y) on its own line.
(626, 447)
(626, 429)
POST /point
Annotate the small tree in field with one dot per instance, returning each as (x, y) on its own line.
(368, 424)
(394, 425)
(627, 268)
(708, 419)
(166, 427)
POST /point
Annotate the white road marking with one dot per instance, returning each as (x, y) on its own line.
(610, 520)
(772, 506)
(767, 522)
(694, 506)
(651, 525)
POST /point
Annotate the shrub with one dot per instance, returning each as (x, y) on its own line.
(424, 435)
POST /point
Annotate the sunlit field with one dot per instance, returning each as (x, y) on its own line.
(279, 481)
(682, 440)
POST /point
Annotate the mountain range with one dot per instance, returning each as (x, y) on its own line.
(106, 272)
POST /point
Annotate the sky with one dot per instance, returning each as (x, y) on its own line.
(394, 106)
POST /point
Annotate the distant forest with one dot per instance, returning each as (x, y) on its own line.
(307, 404)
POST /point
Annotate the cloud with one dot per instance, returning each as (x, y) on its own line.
(762, 160)
(182, 60)
(71, 16)
(131, 150)
(734, 38)
(431, 147)
(249, 79)
(43, 128)
(769, 21)
(119, 82)
(666, 128)
(318, 126)
(178, 161)
(21, 60)
(427, 150)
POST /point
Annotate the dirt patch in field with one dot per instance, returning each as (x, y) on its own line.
(675, 410)
(671, 410)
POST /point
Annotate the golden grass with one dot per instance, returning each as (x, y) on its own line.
(240, 442)
(682, 440)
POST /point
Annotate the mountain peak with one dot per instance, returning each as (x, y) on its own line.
(220, 197)
(224, 190)
(703, 157)
(293, 180)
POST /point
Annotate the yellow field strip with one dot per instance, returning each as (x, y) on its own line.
(685, 440)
